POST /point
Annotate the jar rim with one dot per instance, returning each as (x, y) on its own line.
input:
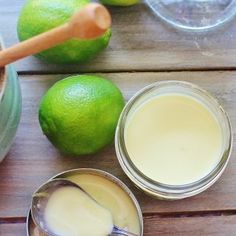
(157, 188)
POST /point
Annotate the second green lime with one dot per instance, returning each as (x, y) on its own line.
(79, 114)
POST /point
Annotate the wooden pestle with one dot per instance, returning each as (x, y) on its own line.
(90, 22)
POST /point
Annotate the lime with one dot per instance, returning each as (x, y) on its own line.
(38, 16)
(79, 114)
(120, 2)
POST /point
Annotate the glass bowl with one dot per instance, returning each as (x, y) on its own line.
(194, 15)
(10, 107)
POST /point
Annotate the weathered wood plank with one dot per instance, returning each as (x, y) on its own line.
(184, 226)
(13, 229)
(32, 159)
(140, 42)
(195, 226)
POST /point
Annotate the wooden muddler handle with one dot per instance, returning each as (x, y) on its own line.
(90, 22)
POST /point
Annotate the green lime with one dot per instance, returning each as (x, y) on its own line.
(38, 16)
(79, 114)
(119, 2)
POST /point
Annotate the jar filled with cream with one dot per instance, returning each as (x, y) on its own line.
(173, 140)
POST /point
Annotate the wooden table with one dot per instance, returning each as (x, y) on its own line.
(142, 50)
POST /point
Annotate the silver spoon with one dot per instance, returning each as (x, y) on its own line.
(40, 199)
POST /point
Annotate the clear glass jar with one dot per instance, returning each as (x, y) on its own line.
(194, 15)
(10, 108)
(152, 187)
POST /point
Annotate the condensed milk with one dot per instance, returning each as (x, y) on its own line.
(108, 192)
(173, 139)
(70, 211)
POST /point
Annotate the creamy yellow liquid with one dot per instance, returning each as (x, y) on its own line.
(110, 196)
(173, 139)
(71, 212)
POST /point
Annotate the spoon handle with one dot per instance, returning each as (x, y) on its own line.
(118, 231)
(34, 45)
(90, 22)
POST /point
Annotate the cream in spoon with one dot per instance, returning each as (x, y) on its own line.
(71, 212)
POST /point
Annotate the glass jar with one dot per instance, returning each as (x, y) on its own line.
(10, 107)
(150, 186)
(194, 15)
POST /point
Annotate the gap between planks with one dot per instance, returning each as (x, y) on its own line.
(12, 220)
(17, 220)
(228, 69)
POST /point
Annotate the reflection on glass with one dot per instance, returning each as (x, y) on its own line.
(194, 15)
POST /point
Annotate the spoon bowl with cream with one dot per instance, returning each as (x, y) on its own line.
(62, 208)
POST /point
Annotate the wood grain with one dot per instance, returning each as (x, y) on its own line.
(13, 229)
(32, 159)
(195, 226)
(140, 42)
(153, 226)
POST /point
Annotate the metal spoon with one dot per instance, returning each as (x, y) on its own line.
(40, 199)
